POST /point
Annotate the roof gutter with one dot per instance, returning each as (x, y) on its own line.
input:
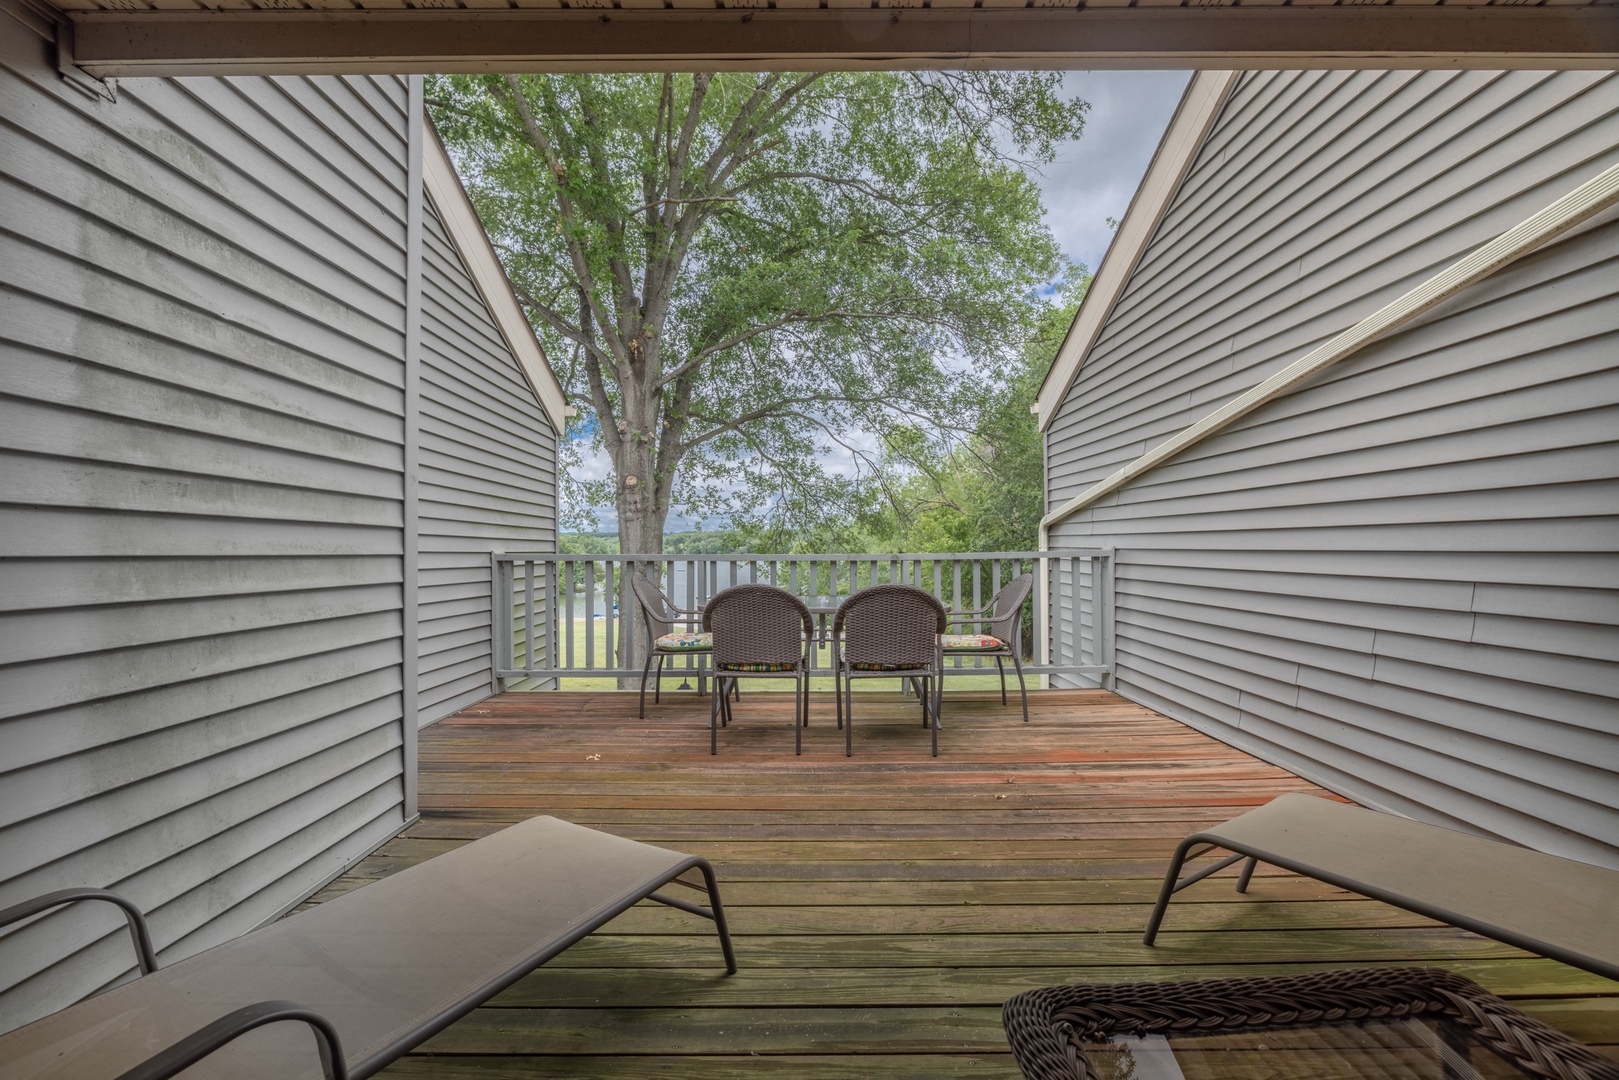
(1578, 206)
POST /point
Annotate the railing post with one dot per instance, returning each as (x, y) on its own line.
(1042, 617)
(500, 619)
(1104, 617)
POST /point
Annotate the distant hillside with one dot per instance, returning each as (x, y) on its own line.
(712, 542)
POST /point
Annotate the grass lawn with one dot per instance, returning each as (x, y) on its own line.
(674, 671)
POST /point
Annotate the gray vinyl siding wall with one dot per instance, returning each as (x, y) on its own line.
(1399, 579)
(488, 477)
(201, 431)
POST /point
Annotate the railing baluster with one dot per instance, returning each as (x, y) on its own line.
(567, 599)
(1074, 614)
(590, 614)
(528, 614)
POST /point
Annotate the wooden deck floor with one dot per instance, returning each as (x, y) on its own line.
(885, 906)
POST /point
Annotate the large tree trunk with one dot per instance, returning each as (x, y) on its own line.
(640, 532)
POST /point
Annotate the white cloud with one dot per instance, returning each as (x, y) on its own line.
(1095, 178)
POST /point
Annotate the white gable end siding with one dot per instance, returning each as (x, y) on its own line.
(488, 477)
(202, 423)
(1400, 578)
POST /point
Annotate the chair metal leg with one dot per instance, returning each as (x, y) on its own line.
(935, 724)
(1001, 667)
(848, 719)
(837, 692)
(1247, 875)
(1173, 882)
(1166, 890)
(714, 716)
(644, 669)
(798, 717)
(1022, 690)
(720, 924)
(657, 683)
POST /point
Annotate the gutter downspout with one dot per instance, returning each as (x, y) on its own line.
(1580, 205)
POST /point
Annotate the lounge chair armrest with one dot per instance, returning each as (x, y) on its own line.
(138, 930)
(204, 1041)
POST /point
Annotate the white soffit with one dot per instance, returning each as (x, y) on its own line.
(470, 240)
(1200, 104)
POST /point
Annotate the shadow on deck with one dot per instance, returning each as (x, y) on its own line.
(886, 905)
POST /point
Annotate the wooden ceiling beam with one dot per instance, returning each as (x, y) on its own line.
(132, 43)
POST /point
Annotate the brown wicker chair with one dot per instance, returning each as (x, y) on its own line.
(658, 616)
(884, 632)
(1003, 615)
(760, 632)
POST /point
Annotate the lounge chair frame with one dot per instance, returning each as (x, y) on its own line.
(1560, 908)
(363, 967)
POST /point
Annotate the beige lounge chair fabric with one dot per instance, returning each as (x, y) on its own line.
(1557, 907)
(388, 964)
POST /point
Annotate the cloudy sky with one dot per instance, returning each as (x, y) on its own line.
(1091, 181)
(1094, 178)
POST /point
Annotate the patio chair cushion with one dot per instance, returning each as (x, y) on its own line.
(757, 667)
(685, 641)
(860, 665)
(970, 643)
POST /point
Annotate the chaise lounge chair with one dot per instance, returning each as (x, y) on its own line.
(1556, 907)
(373, 972)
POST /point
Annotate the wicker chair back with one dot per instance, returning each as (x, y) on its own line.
(656, 608)
(890, 624)
(757, 624)
(1006, 608)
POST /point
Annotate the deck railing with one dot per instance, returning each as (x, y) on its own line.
(572, 616)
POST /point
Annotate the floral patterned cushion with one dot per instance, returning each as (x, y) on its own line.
(757, 667)
(969, 643)
(686, 641)
(859, 666)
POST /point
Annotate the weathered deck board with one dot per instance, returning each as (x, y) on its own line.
(885, 905)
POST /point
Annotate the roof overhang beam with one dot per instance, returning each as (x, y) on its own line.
(136, 43)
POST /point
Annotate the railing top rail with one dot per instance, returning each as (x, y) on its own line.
(527, 556)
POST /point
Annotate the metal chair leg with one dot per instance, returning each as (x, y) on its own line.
(714, 716)
(1022, 690)
(848, 730)
(935, 724)
(1167, 890)
(837, 692)
(1001, 667)
(644, 669)
(657, 682)
(1247, 875)
(798, 725)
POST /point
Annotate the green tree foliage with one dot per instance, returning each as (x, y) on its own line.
(734, 272)
(989, 494)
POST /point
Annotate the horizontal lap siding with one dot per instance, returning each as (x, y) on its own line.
(1400, 578)
(201, 433)
(488, 477)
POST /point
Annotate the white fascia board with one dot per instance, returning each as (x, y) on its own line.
(472, 243)
(1199, 106)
